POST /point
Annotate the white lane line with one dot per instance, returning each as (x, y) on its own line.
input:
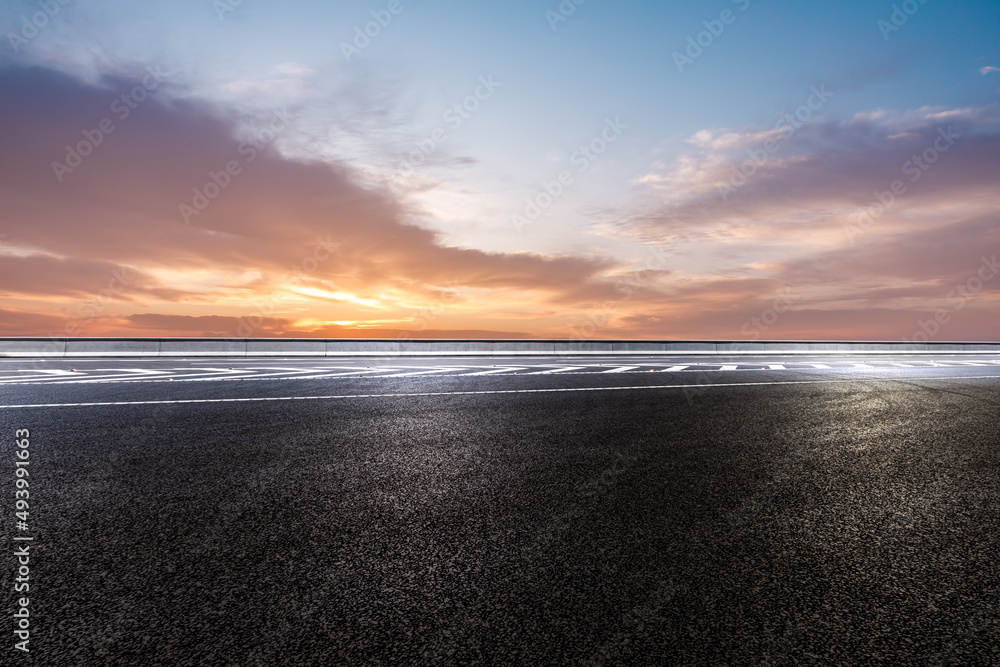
(729, 367)
(620, 369)
(297, 372)
(708, 385)
(505, 369)
(100, 378)
(776, 367)
(554, 369)
(48, 375)
(430, 372)
(52, 372)
(673, 368)
(172, 373)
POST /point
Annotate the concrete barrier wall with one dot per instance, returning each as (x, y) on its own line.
(390, 347)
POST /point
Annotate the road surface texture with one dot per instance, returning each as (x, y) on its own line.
(588, 511)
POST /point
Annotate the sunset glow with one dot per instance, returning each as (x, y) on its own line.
(492, 171)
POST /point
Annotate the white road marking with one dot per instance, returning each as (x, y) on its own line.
(53, 372)
(562, 369)
(48, 375)
(100, 378)
(253, 373)
(504, 369)
(430, 372)
(708, 385)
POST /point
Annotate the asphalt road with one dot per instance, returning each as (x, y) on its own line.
(590, 511)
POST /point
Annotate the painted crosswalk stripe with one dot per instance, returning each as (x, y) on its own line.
(674, 368)
(819, 365)
(620, 369)
(776, 367)
(730, 367)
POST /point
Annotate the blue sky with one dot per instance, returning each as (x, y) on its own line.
(894, 73)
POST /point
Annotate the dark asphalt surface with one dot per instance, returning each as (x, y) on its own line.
(795, 516)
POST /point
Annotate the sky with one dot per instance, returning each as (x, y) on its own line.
(719, 170)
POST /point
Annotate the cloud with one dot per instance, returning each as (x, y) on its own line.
(826, 171)
(269, 228)
(24, 323)
(743, 220)
(988, 69)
